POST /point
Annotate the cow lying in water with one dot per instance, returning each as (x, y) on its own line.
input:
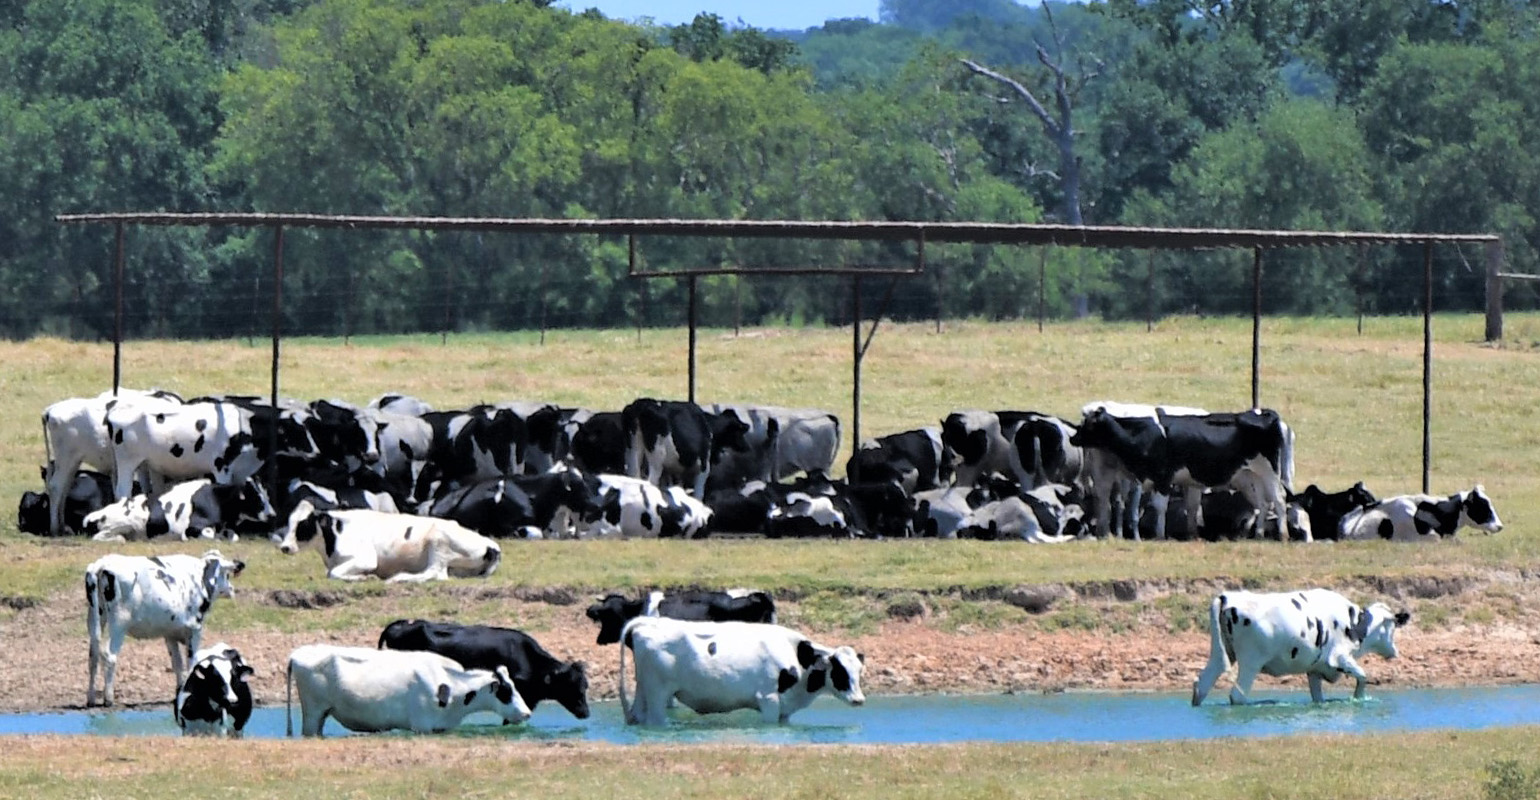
(215, 699)
(1316, 633)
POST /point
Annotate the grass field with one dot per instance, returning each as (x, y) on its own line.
(1353, 400)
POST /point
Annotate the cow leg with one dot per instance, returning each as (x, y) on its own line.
(770, 708)
(1316, 695)
(1159, 501)
(174, 647)
(95, 659)
(1346, 663)
(1244, 677)
(1192, 506)
(110, 670)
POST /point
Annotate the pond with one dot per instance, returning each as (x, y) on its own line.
(1066, 717)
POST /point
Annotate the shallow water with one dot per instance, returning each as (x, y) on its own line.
(1067, 717)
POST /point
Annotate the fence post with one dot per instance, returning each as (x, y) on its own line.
(117, 316)
(1256, 328)
(1494, 252)
(855, 377)
(1427, 363)
(272, 433)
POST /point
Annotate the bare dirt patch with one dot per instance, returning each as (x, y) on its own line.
(1466, 630)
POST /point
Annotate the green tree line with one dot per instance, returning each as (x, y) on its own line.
(1404, 115)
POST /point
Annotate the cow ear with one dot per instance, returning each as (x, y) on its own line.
(807, 655)
(244, 671)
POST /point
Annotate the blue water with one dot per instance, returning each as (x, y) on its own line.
(1068, 717)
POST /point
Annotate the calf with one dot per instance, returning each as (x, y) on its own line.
(160, 597)
(359, 543)
(1316, 633)
(911, 459)
(537, 674)
(1419, 517)
(613, 611)
(189, 510)
(381, 690)
(714, 667)
(215, 700)
(1325, 511)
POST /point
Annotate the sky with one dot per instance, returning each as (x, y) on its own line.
(770, 14)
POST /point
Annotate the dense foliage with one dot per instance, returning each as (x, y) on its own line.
(1412, 115)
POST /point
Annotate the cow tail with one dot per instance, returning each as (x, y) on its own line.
(1219, 644)
(288, 698)
(1286, 458)
(625, 702)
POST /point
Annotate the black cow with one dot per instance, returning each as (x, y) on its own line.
(90, 491)
(599, 443)
(614, 611)
(521, 505)
(911, 459)
(1249, 450)
(537, 674)
(1326, 510)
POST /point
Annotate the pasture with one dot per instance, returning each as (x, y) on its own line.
(1353, 400)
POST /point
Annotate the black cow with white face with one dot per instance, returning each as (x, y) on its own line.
(536, 673)
(613, 611)
(912, 459)
(1325, 510)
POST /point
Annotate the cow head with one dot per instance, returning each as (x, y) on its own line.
(612, 612)
(1476, 509)
(568, 684)
(305, 525)
(32, 514)
(342, 435)
(217, 572)
(510, 706)
(837, 669)
(1375, 629)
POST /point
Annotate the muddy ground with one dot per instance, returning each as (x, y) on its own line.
(1481, 630)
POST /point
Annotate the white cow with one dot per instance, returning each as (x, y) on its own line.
(713, 667)
(160, 597)
(226, 441)
(1422, 517)
(75, 433)
(379, 690)
(1317, 633)
(359, 543)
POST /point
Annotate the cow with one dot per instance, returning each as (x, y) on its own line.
(523, 506)
(866, 509)
(635, 508)
(1041, 452)
(90, 491)
(215, 700)
(344, 434)
(544, 435)
(1251, 451)
(227, 441)
(1317, 633)
(1421, 517)
(537, 674)
(780, 442)
(366, 689)
(1040, 516)
(403, 404)
(476, 444)
(189, 510)
(74, 434)
(1325, 510)
(598, 444)
(405, 441)
(359, 543)
(912, 459)
(670, 442)
(159, 597)
(613, 611)
(714, 667)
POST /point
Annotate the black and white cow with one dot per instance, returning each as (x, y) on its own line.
(215, 700)
(1042, 453)
(90, 491)
(670, 442)
(75, 434)
(779, 443)
(598, 444)
(1422, 517)
(403, 404)
(159, 597)
(629, 507)
(713, 667)
(189, 510)
(1251, 451)
(912, 459)
(549, 505)
(405, 441)
(477, 444)
(544, 435)
(224, 441)
(815, 505)
(359, 543)
(366, 689)
(1117, 495)
(1317, 633)
(344, 434)
(1040, 516)
(1325, 510)
(536, 673)
(613, 611)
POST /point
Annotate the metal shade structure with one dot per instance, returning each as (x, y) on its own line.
(919, 232)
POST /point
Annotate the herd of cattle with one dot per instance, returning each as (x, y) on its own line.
(362, 479)
(402, 492)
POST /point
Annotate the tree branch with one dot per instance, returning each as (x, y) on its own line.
(1021, 91)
